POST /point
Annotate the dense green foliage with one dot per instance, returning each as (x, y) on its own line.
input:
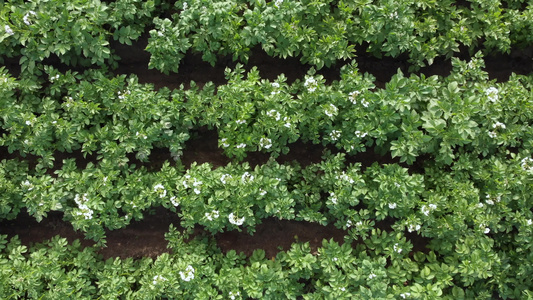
(464, 145)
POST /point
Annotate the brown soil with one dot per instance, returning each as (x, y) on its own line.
(146, 238)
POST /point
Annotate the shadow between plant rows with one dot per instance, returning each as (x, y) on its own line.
(146, 238)
(203, 148)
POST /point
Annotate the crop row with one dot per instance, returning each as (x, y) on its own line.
(410, 117)
(321, 32)
(477, 216)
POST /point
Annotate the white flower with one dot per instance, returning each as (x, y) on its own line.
(425, 210)
(353, 95)
(397, 248)
(348, 224)
(278, 3)
(492, 94)
(234, 220)
(265, 143)
(343, 289)
(364, 102)
(158, 278)
(8, 30)
(26, 17)
(331, 110)
(372, 275)
(174, 201)
(212, 215)
(275, 85)
(360, 134)
(223, 178)
(245, 176)
(433, 206)
(333, 198)
(492, 134)
(527, 163)
(529, 222)
(392, 205)
(27, 185)
(233, 295)
(188, 275)
(393, 15)
(359, 223)
(487, 230)
(240, 121)
(311, 84)
(185, 5)
(404, 295)
(498, 125)
(196, 191)
(335, 135)
(240, 146)
(160, 189)
(262, 192)
(412, 227)
(224, 144)
(288, 125)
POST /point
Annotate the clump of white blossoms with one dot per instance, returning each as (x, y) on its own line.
(529, 222)
(158, 279)
(224, 144)
(274, 113)
(234, 220)
(84, 210)
(188, 275)
(392, 205)
(275, 86)
(352, 96)
(56, 77)
(333, 198)
(345, 177)
(121, 95)
(247, 177)
(223, 178)
(486, 230)
(8, 30)
(240, 121)
(174, 201)
(360, 134)
(265, 143)
(412, 227)
(397, 248)
(405, 295)
(241, 145)
(427, 209)
(335, 135)
(492, 94)
(26, 184)
(348, 224)
(527, 163)
(491, 200)
(160, 189)
(331, 110)
(278, 3)
(233, 295)
(498, 125)
(372, 275)
(311, 84)
(185, 5)
(212, 215)
(26, 17)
